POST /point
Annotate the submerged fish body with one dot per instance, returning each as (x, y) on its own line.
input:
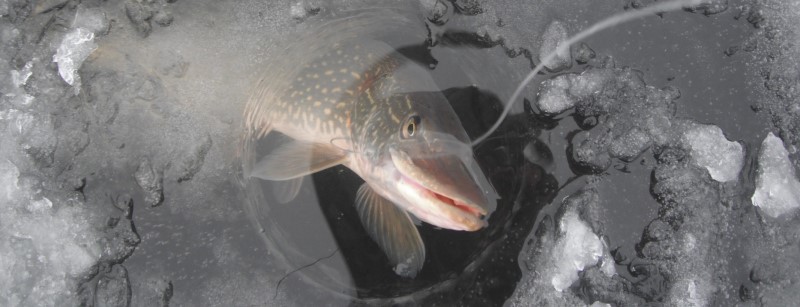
(380, 114)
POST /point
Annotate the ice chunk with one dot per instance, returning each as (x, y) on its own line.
(20, 77)
(777, 189)
(15, 91)
(553, 98)
(558, 94)
(76, 46)
(578, 248)
(303, 9)
(553, 37)
(92, 19)
(711, 150)
(583, 54)
(45, 248)
(630, 144)
(151, 181)
(688, 292)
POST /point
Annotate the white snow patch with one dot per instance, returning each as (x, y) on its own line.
(777, 189)
(76, 46)
(43, 248)
(711, 150)
(577, 249)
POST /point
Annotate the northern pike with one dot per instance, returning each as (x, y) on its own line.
(369, 108)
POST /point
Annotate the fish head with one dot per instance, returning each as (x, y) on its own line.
(434, 174)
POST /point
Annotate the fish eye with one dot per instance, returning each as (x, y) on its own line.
(411, 126)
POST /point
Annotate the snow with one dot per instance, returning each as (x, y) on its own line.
(577, 249)
(711, 150)
(44, 248)
(777, 188)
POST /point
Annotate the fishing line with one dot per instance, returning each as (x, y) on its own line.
(300, 268)
(564, 47)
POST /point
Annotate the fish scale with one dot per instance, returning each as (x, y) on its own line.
(327, 93)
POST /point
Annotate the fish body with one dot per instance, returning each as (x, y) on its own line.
(368, 108)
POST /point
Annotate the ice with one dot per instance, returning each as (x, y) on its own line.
(711, 150)
(553, 37)
(14, 90)
(687, 292)
(553, 98)
(565, 91)
(777, 188)
(577, 249)
(91, 19)
(45, 248)
(20, 77)
(303, 9)
(150, 179)
(76, 46)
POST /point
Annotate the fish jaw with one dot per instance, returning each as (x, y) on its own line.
(439, 210)
(441, 191)
(408, 193)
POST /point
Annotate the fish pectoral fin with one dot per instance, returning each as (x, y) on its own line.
(392, 229)
(285, 191)
(297, 159)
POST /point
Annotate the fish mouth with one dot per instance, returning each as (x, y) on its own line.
(442, 192)
(445, 211)
(454, 202)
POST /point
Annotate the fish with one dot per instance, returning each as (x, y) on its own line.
(367, 107)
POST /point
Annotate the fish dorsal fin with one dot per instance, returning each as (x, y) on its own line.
(393, 230)
(297, 159)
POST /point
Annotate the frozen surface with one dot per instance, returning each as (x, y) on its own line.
(777, 188)
(711, 150)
